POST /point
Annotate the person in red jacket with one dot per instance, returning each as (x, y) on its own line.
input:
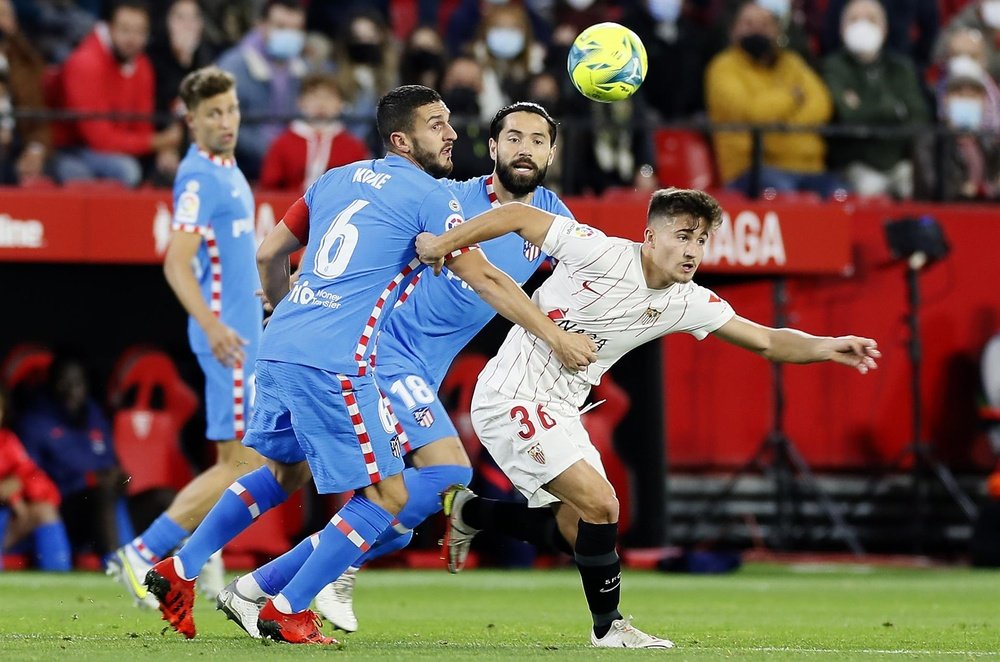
(314, 144)
(110, 73)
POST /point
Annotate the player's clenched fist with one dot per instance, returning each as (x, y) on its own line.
(575, 351)
(429, 252)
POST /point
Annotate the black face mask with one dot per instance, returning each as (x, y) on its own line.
(424, 60)
(758, 46)
(462, 101)
(365, 53)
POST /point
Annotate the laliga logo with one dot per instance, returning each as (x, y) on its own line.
(747, 241)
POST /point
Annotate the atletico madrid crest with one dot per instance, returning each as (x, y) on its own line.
(424, 417)
(531, 252)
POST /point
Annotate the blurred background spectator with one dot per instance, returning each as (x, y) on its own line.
(268, 68)
(913, 27)
(29, 503)
(25, 143)
(461, 89)
(506, 49)
(69, 438)
(755, 80)
(367, 67)
(970, 162)
(470, 15)
(313, 144)
(110, 73)
(981, 15)
(423, 59)
(967, 45)
(872, 86)
(55, 27)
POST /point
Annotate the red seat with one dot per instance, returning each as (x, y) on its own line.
(457, 388)
(147, 439)
(683, 159)
(26, 364)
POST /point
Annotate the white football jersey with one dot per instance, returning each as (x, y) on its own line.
(598, 288)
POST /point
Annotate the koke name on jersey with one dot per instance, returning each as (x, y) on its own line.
(370, 177)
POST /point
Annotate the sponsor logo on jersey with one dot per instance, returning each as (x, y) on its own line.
(537, 454)
(650, 316)
(714, 299)
(579, 230)
(188, 204)
(531, 252)
(304, 295)
(242, 226)
(453, 220)
(557, 314)
(424, 417)
(15, 233)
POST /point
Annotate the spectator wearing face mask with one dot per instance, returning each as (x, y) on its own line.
(366, 65)
(461, 86)
(755, 81)
(268, 69)
(423, 59)
(506, 49)
(874, 87)
(968, 46)
(969, 166)
(912, 28)
(468, 16)
(313, 144)
(981, 15)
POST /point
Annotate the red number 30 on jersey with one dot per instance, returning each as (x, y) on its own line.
(519, 414)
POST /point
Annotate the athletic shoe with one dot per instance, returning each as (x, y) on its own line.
(129, 569)
(213, 577)
(623, 635)
(335, 602)
(300, 628)
(176, 596)
(240, 609)
(457, 534)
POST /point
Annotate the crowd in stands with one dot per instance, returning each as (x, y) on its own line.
(309, 74)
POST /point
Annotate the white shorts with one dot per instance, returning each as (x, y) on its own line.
(532, 443)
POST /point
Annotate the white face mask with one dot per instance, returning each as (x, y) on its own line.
(780, 8)
(579, 4)
(505, 43)
(965, 113)
(991, 13)
(664, 11)
(863, 37)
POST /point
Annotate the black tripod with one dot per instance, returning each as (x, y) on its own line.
(925, 466)
(778, 456)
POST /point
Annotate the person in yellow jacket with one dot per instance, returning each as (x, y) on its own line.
(756, 81)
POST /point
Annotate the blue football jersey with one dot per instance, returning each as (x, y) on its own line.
(212, 198)
(442, 314)
(359, 258)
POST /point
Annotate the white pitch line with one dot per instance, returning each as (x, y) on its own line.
(866, 651)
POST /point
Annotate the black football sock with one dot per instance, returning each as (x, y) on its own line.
(536, 526)
(601, 572)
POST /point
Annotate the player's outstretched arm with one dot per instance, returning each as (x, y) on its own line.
(226, 344)
(530, 222)
(574, 350)
(794, 346)
(272, 262)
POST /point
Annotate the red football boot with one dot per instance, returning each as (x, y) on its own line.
(300, 628)
(175, 595)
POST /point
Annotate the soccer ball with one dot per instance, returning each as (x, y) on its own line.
(607, 62)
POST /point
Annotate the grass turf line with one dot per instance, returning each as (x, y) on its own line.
(762, 612)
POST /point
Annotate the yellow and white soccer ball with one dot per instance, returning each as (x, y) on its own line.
(607, 62)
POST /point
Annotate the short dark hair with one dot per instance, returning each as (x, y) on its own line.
(203, 84)
(396, 109)
(496, 125)
(111, 9)
(293, 5)
(317, 80)
(669, 203)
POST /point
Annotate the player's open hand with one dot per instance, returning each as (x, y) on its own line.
(227, 345)
(575, 351)
(428, 251)
(858, 353)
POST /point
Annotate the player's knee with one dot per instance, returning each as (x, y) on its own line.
(290, 476)
(600, 509)
(390, 493)
(43, 512)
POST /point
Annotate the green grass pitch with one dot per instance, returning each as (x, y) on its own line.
(761, 612)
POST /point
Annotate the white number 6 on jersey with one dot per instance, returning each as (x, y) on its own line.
(333, 255)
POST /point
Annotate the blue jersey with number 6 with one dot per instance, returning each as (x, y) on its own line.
(359, 258)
